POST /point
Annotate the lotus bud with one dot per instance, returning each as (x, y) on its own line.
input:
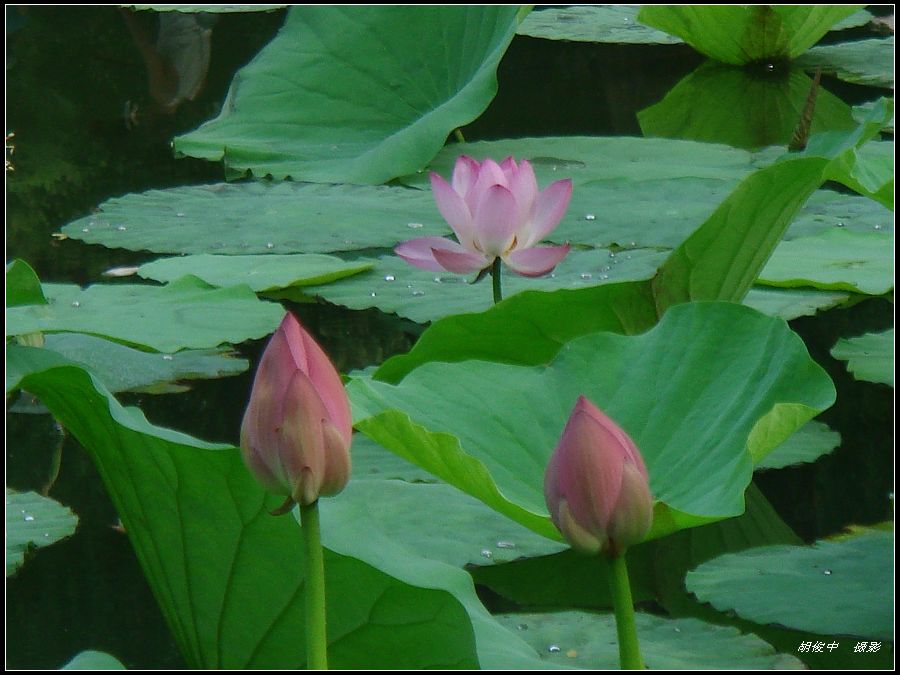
(596, 484)
(295, 437)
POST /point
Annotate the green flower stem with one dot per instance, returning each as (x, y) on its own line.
(629, 650)
(459, 136)
(316, 642)
(495, 275)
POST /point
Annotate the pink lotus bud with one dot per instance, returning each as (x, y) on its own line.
(295, 437)
(596, 484)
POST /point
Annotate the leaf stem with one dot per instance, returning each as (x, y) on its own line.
(457, 133)
(495, 275)
(316, 642)
(629, 650)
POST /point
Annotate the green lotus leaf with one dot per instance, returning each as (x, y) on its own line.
(866, 62)
(228, 576)
(357, 94)
(32, 522)
(122, 368)
(829, 589)
(587, 640)
(742, 34)
(93, 660)
(807, 444)
(186, 313)
(722, 104)
(259, 272)
(869, 357)
(592, 23)
(834, 260)
(682, 391)
(22, 285)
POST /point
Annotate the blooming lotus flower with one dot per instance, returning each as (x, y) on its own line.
(596, 484)
(495, 210)
(295, 437)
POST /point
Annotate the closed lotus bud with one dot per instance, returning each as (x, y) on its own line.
(596, 484)
(295, 437)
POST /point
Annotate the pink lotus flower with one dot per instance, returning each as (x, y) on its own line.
(596, 484)
(295, 437)
(495, 211)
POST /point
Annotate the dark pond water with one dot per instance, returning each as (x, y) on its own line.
(71, 73)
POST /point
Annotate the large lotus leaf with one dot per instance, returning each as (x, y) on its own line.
(357, 94)
(827, 210)
(469, 534)
(720, 260)
(592, 23)
(570, 579)
(122, 368)
(834, 260)
(585, 159)
(261, 273)
(33, 521)
(833, 588)
(257, 217)
(92, 660)
(868, 62)
(355, 527)
(722, 104)
(869, 357)
(371, 460)
(395, 286)
(689, 392)
(741, 34)
(587, 640)
(217, 9)
(22, 285)
(789, 303)
(807, 444)
(184, 314)
(228, 576)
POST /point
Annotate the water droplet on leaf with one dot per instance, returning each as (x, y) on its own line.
(486, 553)
(590, 216)
(389, 277)
(414, 226)
(553, 649)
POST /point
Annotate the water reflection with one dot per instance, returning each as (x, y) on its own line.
(744, 108)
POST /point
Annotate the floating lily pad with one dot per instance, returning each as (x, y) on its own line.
(357, 94)
(92, 660)
(741, 34)
(807, 444)
(257, 217)
(698, 365)
(184, 314)
(123, 368)
(589, 158)
(395, 286)
(587, 640)
(470, 533)
(32, 522)
(592, 23)
(836, 259)
(867, 62)
(832, 588)
(869, 357)
(216, 9)
(722, 104)
(371, 460)
(790, 303)
(828, 210)
(259, 272)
